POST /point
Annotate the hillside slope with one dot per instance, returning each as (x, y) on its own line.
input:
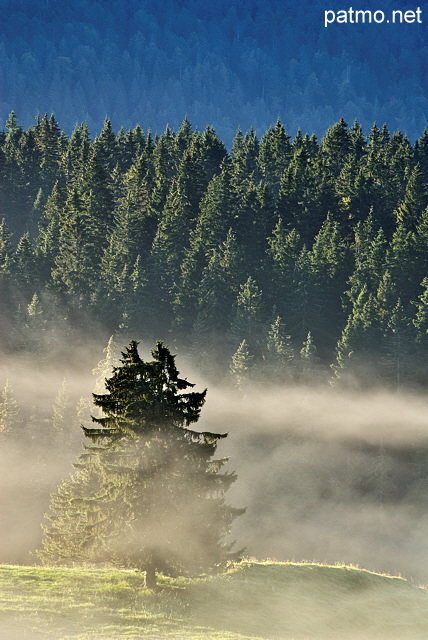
(253, 600)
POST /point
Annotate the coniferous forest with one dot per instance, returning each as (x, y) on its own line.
(214, 182)
(283, 259)
(278, 263)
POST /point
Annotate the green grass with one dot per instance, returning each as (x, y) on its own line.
(269, 600)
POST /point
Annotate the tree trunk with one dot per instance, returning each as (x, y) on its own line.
(150, 582)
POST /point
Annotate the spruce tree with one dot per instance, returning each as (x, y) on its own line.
(216, 213)
(47, 241)
(10, 419)
(219, 287)
(357, 350)
(172, 236)
(407, 262)
(5, 247)
(354, 188)
(369, 250)
(240, 366)
(311, 371)
(421, 319)
(253, 222)
(62, 421)
(415, 200)
(278, 365)
(358, 142)
(247, 320)
(274, 155)
(305, 195)
(26, 265)
(77, 261)
(147, 493)
(49, 140)
(329, 263)
(165, 169)
(212, 153)
(106, 146)
(77, 153)
(97, 191)
(14, 203)
(104, 367)
(421, 324)
(307, 303)
(399, 349)
(335, 146)
(282, 253)
(421, 153)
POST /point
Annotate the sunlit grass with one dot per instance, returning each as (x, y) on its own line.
(80, 603)
(280, 601)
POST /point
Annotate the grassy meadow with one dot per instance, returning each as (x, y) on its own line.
(265, 600)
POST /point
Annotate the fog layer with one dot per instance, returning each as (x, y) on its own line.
(325, 475)
(329, 476)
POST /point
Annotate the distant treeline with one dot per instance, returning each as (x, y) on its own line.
(283, 260)
(223, 62)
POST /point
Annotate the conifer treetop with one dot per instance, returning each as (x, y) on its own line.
(145, 397)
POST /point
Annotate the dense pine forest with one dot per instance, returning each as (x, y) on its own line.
(226, 62)
(282, 265)
(264, 226)
(281, 260)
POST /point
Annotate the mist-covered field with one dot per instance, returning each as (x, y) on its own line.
(325, 475)
(329, 476)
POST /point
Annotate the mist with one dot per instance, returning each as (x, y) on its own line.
(329, 476)
(326, 475)
(34, 457)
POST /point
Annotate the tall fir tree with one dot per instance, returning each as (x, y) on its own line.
(275, 153)
(10, 413)
(284, 247)
(77, 261)
(358, 349)
(148, 493)
(336, 146)
(50, 143)
(399, 350)
(247, 320)
(415, 200)
(311, 371)
(241, 366)
(278, 357)
(218, 290)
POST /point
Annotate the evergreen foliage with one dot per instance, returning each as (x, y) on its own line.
(10, 419)
(240, 366)
(172, 236)
(148, 493)
(278, 355)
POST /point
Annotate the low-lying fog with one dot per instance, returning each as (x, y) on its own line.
(326, 475)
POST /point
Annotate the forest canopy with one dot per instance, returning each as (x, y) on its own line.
(286, 258)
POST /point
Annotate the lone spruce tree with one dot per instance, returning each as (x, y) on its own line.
(147, 492)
